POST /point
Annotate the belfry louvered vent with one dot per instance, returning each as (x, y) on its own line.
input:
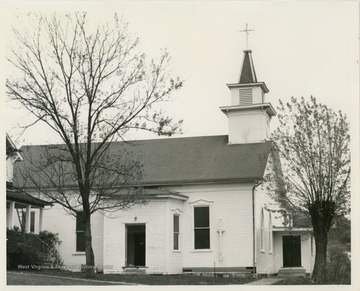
(245, 96)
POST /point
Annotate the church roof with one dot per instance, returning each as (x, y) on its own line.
(175, 161)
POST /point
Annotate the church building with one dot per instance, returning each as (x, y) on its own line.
(208, 210)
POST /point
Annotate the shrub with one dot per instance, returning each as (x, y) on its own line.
(339, 266)
(26, 250)
(50, 247)
(23, 249)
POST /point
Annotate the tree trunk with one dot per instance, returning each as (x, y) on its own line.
(320, 271)
(90, 258)
(322, 214)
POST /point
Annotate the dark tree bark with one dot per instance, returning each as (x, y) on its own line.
(89, 252)
(322, 214)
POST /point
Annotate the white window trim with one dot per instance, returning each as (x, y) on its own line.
(201, 203)
(176, 211)
(173, 232)
(270, 234)
(77, 253)
(262, 234)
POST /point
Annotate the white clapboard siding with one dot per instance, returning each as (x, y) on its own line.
(152, 215)
(58, 221)
(231, 204)
(265, 263)
(9, 169)
(174, 257)
(264, 258)
(235, 213)
(307, 260)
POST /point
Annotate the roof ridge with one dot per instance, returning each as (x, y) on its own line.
(137, 140)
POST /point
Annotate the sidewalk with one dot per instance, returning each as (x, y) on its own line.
(265, 281)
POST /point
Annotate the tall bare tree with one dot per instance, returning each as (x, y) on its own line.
(91, 85)
(313, 143)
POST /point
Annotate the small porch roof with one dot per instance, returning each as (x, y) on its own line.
(164, 193)
(20, 197)
(157, 193)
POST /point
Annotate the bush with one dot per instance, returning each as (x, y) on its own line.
(23, 249)
(50, 247)
(27, 250)
(339, 266)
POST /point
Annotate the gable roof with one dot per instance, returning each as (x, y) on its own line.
(10, 146)
(175, 161)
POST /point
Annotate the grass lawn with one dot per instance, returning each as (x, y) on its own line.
(27, 278)
(135, 279)
(295, 281)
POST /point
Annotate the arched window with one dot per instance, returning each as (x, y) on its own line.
(270, 234)
(262, 239)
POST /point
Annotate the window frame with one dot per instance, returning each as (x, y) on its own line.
(79, 232)
(270, 234)
(198, 229)
(262, 236)
(176, 234)
(32, 221)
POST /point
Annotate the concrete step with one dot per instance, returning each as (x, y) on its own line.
(134, 270)
(292, 272)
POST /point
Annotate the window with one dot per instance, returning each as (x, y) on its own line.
(80, 235)
(270, 234)
(262, 230)
(202, 227)
(176, 231)
(312, 245)
(32, 221)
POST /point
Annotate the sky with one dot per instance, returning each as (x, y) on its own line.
(298, 48)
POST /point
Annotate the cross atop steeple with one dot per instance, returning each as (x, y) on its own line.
(247, 34)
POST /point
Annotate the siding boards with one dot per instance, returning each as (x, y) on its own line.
(229, 203)
(235, 213)
(264, 260)
(152, 215)
(174, 260)
(58, 221)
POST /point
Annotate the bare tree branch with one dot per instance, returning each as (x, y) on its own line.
(90, 85)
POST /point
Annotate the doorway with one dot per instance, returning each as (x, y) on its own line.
(135, 245)
(291, 251)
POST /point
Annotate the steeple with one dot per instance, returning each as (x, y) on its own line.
(247, 74)
(249, 114)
